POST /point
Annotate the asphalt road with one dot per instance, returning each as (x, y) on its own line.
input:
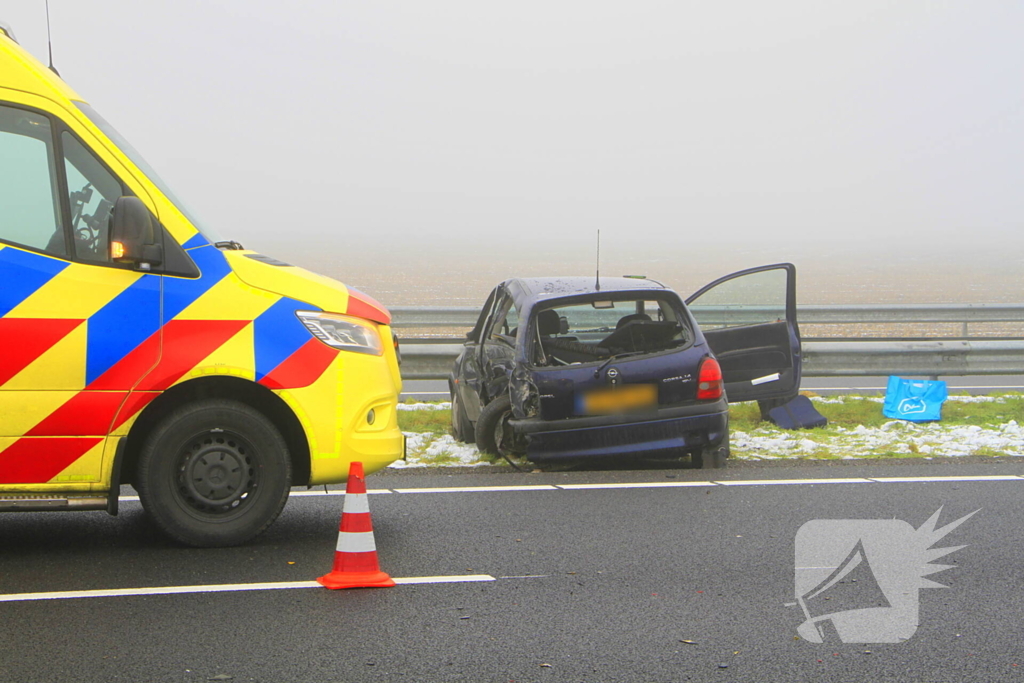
(589, 584)
(437, 390)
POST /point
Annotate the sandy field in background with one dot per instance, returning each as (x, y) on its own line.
(837, 276)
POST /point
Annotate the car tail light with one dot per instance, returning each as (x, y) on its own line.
(709, 380)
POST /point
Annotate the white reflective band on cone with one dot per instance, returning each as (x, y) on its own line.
(356, 502)
(356, 542)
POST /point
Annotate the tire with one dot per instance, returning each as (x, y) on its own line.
(493, 433)
(214, 473)
(712, 457)
(462, 428)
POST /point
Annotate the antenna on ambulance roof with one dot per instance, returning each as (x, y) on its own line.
(597, 280)
(49, 42)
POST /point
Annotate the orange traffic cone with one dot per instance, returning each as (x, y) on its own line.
(355, 560)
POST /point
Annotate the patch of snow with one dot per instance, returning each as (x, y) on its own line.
(423, 447)
(424, 406)
(768, 442)
(932, 438)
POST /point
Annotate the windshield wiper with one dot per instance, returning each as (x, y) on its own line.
(597, 372)
(230, 245)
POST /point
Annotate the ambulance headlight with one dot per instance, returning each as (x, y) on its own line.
(343, 331)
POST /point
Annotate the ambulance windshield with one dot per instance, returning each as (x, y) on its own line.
(136, 158)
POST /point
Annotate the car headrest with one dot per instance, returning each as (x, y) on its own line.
(547, 323)
(626, 319)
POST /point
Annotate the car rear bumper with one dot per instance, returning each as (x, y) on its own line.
(681, 428)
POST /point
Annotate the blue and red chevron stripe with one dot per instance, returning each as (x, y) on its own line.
(134, 348)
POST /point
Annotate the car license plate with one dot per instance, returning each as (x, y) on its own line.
(622, 399)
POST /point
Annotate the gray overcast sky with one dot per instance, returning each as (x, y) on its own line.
(424, 124)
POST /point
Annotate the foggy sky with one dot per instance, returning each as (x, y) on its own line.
(420, 125)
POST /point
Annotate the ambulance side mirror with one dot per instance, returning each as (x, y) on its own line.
(132, 235)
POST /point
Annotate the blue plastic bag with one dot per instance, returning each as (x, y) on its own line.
(917, 400)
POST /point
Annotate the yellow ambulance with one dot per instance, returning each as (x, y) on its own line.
(137, 348)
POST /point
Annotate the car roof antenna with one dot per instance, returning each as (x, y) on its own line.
(49, 42)
(597, 279)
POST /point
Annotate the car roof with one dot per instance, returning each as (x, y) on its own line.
(532, 289)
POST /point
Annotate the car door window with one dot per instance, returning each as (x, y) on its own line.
(92, 191)
(505, 322)
(752, 299)
(749, 321)
(29, 199)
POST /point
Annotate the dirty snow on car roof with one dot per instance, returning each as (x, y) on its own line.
(540, 287)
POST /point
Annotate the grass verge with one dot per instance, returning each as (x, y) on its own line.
(970, 425)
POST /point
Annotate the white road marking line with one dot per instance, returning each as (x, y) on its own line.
(526, 576)
(656, 484)
(790, 482)
(293, 494)
(467, 489)
(637, 485)
(220, 588)
(336, 492)
(159, 590)
(989, 477)
(468, 578)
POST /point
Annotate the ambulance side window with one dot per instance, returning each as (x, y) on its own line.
(92, 191)
(29, 200)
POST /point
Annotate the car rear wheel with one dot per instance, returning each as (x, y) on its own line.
(214, 473)
(462, 428)
(712, 457)
(493, 432)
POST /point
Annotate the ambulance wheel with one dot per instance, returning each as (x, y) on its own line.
(493, 432)
(462, 428)
(712, 457)
(214, 473)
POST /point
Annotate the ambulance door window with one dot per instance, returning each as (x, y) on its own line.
(29, 200)
(92, 191)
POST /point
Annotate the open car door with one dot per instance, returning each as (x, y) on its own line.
(749, 320)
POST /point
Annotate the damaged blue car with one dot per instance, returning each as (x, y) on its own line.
(586, 368)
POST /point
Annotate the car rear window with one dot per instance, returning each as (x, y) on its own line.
(597, 329)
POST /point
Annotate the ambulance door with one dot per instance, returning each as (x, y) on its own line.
(77, 331)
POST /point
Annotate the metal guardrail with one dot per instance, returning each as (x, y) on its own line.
(822, 358)
(817, 314)
(841, 358)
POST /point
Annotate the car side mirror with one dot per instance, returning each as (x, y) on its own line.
(132, 235)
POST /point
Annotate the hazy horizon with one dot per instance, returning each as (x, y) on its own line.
(380, 135)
